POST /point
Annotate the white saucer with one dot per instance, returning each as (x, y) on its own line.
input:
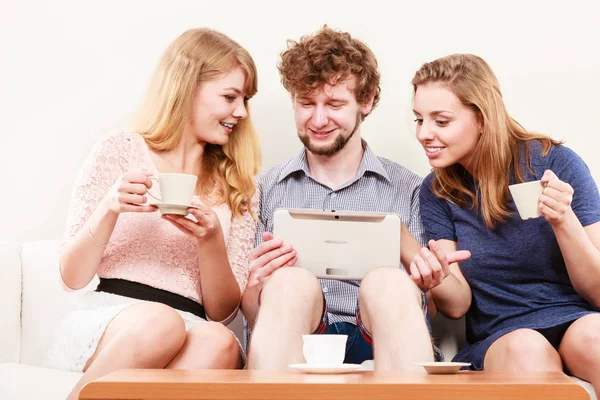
(442, 367)
(178, 209)
(325, 369)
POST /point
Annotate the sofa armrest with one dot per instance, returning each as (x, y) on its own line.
(10, 300)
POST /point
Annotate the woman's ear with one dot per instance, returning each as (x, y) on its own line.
(480, 124)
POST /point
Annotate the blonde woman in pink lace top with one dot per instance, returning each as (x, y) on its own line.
(162, 278)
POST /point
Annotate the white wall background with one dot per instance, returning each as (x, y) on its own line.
(70, 71)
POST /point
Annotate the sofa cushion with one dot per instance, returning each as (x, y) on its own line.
(45, 301)
(26, 382)
(10, 298)
(448, 334)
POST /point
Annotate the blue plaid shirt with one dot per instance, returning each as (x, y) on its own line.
(380, 185)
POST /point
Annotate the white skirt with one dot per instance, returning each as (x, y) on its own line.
(78, 334)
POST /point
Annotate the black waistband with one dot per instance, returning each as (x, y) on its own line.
(140, 291)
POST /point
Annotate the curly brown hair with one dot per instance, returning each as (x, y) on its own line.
(329, 57)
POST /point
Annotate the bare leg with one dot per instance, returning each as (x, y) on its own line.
(522, 350)
(391, 310)
(209, 345)
(292, 304)
(145, 335)
(580, 350)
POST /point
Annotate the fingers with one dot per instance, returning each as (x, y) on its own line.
(128, 193)
(551, 192)
(553, 182)
(548, 176)
(189, 227)
(137, 208)
(274, 264)
(265, 247)
(148, 182)
(177, 224)
(550, 214)
(182, 221)
(440, 255)
(201, 208)
(267, 236)
(203, 218)
(127, 198)
(424, 271)
(429, 268)
(553, 197)
(551, 203)
(293, 261)
(271, 255)
(556, 199)
(133, 188)
(137, 177)
(145, 209)
(437, 272)
(458, 256)
(415, 275)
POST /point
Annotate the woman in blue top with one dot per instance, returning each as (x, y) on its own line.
(530, 291)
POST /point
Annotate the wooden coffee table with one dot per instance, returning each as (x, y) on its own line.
(365, 385)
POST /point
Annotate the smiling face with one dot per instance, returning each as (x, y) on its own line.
(218, 106)
(447, 129)
(327, 119)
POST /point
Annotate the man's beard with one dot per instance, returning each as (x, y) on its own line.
(339, 143)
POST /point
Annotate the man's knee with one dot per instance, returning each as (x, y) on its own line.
(291, 302)
(390, 284)
(291, 283)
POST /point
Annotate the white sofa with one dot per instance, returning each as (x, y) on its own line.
(33, 303)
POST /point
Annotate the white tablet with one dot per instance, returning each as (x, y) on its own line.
(340, 244)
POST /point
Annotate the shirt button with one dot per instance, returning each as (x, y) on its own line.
(325, 289)
(333, 195)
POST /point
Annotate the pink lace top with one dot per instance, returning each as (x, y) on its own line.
(143, 248)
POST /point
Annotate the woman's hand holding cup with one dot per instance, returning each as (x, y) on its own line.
(205, 226)
(556, 198)
(128, 194)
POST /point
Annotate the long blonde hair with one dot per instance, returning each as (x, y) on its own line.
(501, 144)
(197, 56)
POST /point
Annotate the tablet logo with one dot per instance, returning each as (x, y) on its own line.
(336, 242)
(336, 271)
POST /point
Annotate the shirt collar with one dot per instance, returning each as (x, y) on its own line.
(369, 163)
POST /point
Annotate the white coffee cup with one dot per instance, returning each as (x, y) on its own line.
(177, 189)
(527, 198)
(324, 350)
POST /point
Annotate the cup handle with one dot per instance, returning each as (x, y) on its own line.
(153, 178)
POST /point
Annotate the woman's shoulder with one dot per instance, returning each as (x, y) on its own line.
(548, 157)
(428, 179)
(426, 189)
(115, 141)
